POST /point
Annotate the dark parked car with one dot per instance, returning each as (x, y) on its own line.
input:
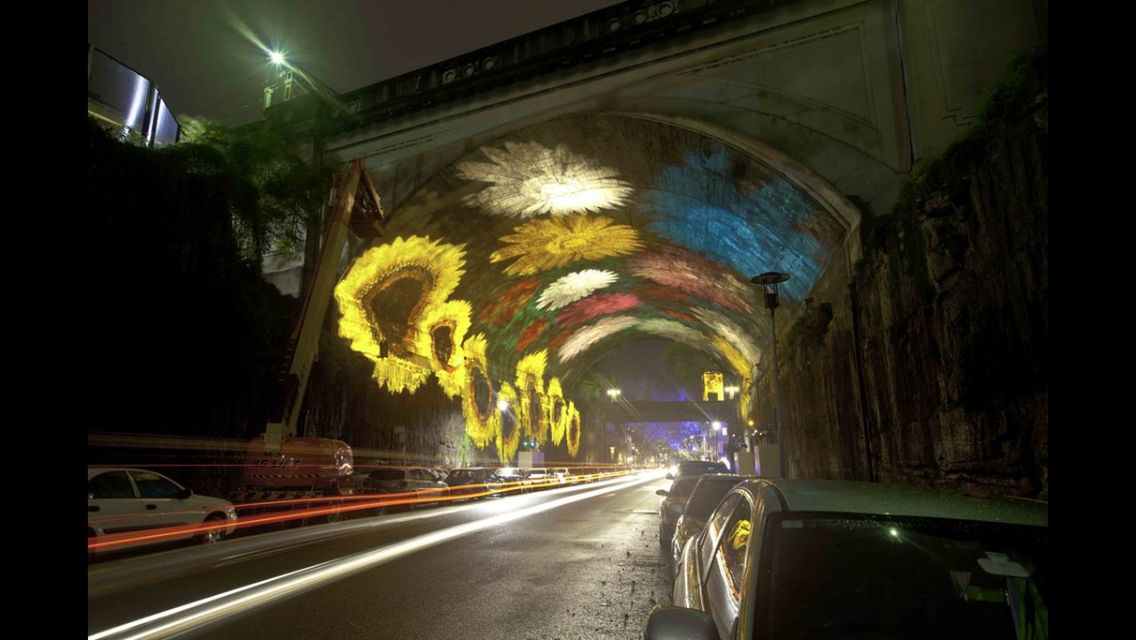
(473, 482)
(797, 559)
(419, 481)
(671, 508)
(516, 479)
(707, 493)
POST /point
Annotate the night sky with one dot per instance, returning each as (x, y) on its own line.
(196, 53)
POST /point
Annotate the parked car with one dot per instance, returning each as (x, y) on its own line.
(420, 481)
(514, 477)
(707, 493)
(121, 500)
(473, 481)
(674, 500)
(562, 475)
(823, 559)
(540, 477)
(696, 467)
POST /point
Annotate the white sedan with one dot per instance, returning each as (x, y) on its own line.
(121, 501)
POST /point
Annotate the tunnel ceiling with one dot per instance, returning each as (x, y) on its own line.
(537, 253)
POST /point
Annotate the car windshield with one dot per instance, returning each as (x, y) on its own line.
(465, 474)
(894, 578)
(387, 474)
(682, 487)
(707, 495)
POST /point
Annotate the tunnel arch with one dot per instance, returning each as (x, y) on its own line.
(587, 230)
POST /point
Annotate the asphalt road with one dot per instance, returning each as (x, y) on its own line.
(573, 563)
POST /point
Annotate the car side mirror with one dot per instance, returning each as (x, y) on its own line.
(670, 476)
(184, 493)
(680, 623)
(662, 492)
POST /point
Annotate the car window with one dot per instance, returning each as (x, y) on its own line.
(714, 528)
(706, 496)
(731, 554)
(152, 485)
(903, 578)
(726, 578)
(682, 487)
(112, 484)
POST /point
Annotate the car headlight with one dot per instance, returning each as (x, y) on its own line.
(675, 508)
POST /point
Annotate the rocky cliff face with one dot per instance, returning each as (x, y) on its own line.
(932, 367)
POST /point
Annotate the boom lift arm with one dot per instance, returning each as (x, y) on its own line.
(356, 206)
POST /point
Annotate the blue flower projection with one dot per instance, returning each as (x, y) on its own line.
(752, 227)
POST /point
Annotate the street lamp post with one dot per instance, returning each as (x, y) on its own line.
(769, 281)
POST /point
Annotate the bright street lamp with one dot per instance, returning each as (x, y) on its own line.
(613, 394)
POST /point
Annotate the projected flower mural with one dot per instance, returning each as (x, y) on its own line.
(527, 179)
(482, 420)
(695, 276)
(508, 428)
(570, 288)
(441, 331)
(408, 274)
(548, 243)
(583, 339)
(557, 411)
(505, 275)
(595, 306)
(573, 430)
(531, 408)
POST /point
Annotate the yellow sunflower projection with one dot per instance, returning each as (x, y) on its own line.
(573, 429)
(478, 402)
(532, 414)
(557, 410)
(441, 330)
(399, 375)
(548, 243)
(432, 268)
(508, 430)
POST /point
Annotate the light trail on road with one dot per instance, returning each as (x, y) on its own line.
(201, 612)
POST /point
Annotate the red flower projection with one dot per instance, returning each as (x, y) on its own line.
(688, 272)
(667, 294)
(595, 306)
(532, 332)
(499, 311)
(679, 315)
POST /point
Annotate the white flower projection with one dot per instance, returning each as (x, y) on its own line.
(677, 331)
(593, 333)
(574, 286)
(732, 333)
(528, 179)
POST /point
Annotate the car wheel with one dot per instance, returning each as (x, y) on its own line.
(213, 535)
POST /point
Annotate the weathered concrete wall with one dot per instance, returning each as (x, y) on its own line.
(945, 326)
